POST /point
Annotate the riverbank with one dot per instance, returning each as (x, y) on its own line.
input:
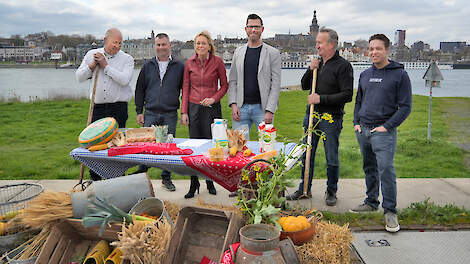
(38, 136)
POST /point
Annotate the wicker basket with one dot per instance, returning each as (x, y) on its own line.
(14, 197)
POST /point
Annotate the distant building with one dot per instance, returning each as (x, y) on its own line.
(19, 53)
(314, 26)
(187, 50)
(299, 41)
(347, 45)
(400, 36)
(452, 47)
(82, 49)
(139, 49)
(234, 42)
(417, 50)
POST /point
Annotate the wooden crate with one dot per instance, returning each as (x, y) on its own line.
(70, 239)
(202, 232)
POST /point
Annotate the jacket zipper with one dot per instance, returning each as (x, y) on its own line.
(202, 81)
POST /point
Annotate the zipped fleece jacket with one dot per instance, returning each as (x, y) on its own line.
(201, 80)
(383, 96)
(156, 94)
(334, 85)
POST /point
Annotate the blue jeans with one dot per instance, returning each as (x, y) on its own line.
(331, 145)
(160, 119)
(378, 150)
(249, 114)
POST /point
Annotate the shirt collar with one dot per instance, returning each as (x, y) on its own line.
(169, 59)
(108, 56)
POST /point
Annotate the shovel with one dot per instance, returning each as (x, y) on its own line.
(309, 137)
(90, 115)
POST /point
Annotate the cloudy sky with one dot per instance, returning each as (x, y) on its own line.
(431, 21)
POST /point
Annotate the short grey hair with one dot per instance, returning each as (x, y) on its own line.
(332, 35)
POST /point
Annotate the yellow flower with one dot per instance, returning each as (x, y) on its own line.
(327, 117)
(256, 167)
(316, 115)
(258, 179)
(322, 136)
(245, 177)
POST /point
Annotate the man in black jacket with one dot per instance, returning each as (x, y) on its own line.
(158, 90)
(334, 88)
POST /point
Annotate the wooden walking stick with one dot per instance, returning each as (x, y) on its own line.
(90, 115)
(309, 137)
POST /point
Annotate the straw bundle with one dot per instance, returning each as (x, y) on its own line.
(142, 242)
(172, 209)
(33, 246)
(230, 208)
(331, 244)
(46, 208)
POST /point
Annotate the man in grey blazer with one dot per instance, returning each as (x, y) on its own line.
(255, 79)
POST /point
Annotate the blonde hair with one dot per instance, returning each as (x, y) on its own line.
(207, 35)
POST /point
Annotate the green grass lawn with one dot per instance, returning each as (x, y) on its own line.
(37, 138)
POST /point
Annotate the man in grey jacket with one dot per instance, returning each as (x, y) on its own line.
(158, 90)
(255, 79)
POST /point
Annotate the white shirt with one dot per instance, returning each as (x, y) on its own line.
(162, 66)
(113, 84)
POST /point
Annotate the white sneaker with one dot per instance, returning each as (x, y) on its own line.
(391, 222)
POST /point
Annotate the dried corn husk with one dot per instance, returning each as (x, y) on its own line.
(331, 244)
(236, 139)
(142, 242)
(46, 208)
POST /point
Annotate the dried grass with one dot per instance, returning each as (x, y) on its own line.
(230, 208)
(144, 243)
(46, 208)
(331, 245)
(33, 246)
(173, 209)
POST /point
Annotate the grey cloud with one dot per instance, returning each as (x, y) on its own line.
(431, 21)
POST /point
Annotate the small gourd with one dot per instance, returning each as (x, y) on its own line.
(293, 224)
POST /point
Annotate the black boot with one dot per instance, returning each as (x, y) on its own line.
(141, 169)
(210, 187)
(194, 186)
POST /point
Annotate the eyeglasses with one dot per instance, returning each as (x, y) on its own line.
(253, 26)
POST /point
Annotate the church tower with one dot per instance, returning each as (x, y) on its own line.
(314, 26)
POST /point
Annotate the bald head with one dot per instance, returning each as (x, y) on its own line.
(112, 32)
(112, 41)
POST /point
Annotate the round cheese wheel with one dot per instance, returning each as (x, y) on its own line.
(99, 132)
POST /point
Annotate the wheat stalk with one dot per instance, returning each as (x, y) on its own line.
(46, 208)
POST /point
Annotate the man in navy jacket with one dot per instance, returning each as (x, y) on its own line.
(158, 90)
(383, 102)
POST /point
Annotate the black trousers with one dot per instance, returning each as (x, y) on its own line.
(200, 120)
(116, 110)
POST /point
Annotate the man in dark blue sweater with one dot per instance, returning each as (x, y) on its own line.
(158, 90)
(383, 102)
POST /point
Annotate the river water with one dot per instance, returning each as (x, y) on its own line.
(47, 83)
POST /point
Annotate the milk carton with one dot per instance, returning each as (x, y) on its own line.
(219, 133)
(261, 127)
(269, 138)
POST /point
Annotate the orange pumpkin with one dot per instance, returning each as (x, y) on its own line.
(293, 224)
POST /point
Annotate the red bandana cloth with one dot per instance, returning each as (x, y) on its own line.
(149, 148)
(226, 172)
